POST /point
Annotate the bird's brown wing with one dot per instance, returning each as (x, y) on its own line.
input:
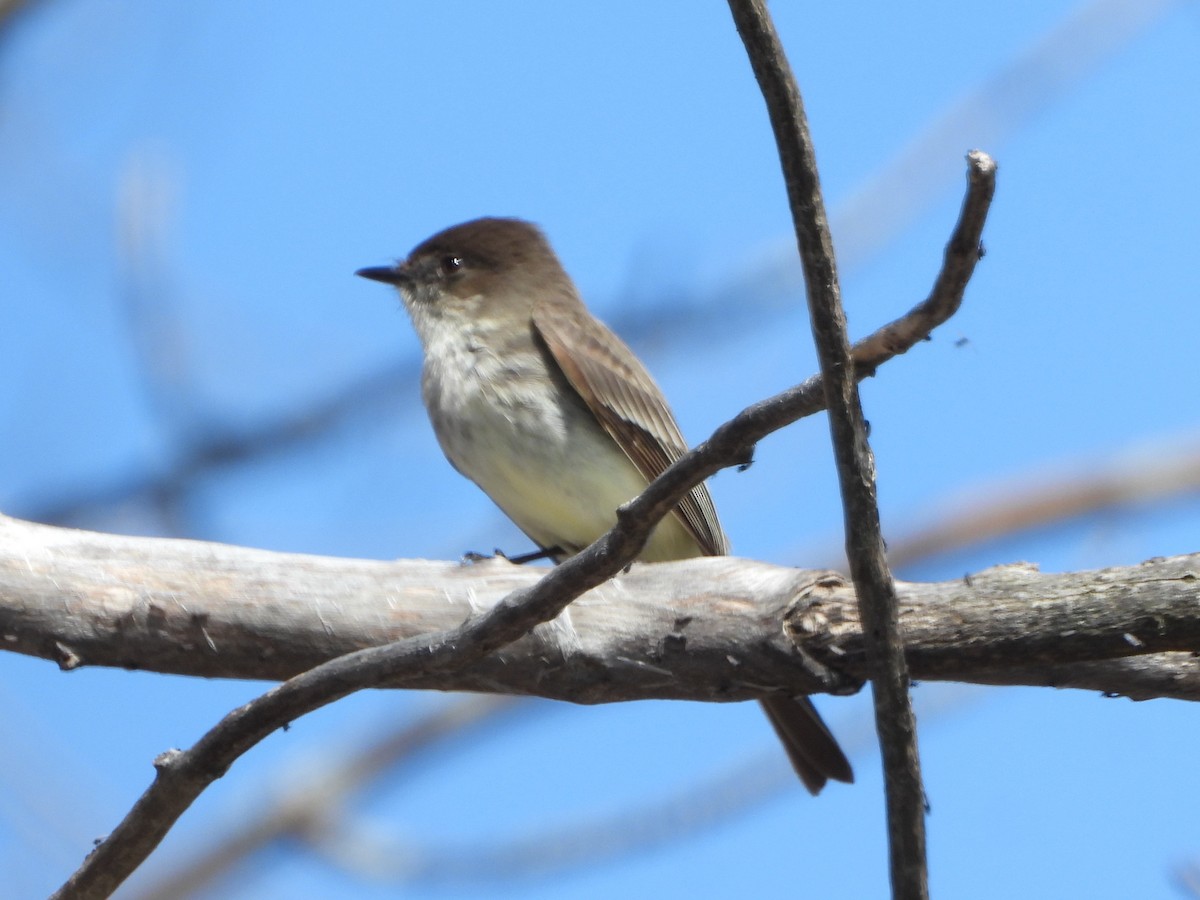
(620, 392)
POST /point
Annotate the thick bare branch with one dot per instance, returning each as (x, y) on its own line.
(711, 629)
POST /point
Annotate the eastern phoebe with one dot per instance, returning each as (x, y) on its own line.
(554, 417)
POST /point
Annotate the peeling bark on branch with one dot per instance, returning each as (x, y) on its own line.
(714, 629)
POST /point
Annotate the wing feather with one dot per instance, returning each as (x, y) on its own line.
(620, 392)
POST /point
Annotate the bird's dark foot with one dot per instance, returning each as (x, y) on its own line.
(471, 557)
(544, 553)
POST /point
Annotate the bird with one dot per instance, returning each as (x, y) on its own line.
(551, 414)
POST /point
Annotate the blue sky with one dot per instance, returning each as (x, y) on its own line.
(185, 191)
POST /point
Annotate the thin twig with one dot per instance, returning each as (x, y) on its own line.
(894, 717)
(958, 264)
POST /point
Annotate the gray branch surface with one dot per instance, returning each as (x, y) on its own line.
(710, 629)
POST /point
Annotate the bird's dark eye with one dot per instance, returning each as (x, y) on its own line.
(451, 264)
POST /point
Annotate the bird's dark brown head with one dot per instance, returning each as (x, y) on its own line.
(467, 259)
(483, 274)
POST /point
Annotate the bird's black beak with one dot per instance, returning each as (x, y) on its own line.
(386, 274)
